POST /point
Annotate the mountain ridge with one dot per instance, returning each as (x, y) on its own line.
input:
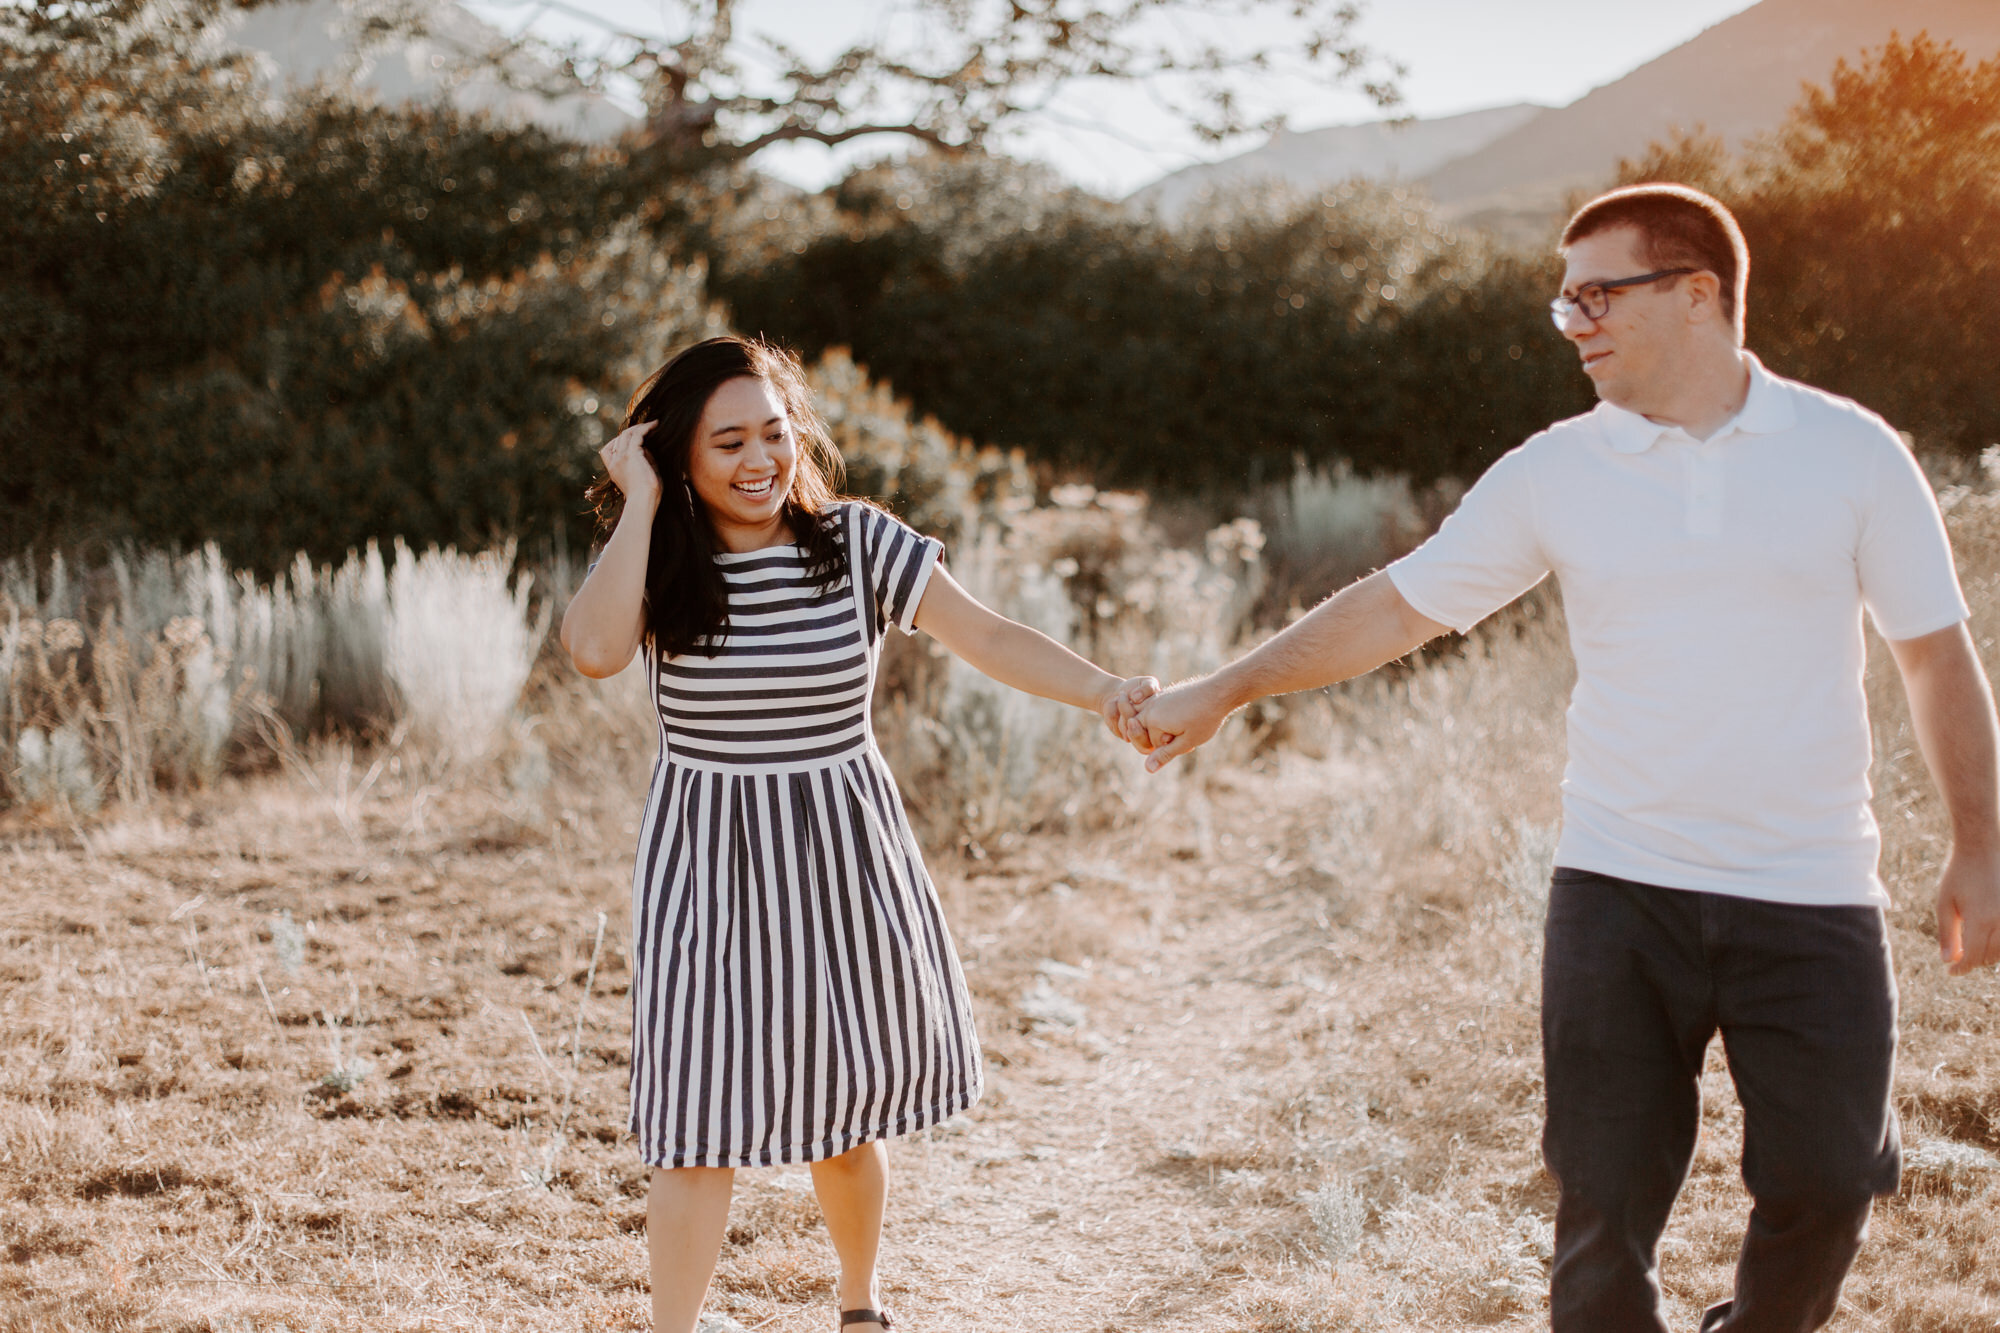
(1309, 160)
(1735, 79)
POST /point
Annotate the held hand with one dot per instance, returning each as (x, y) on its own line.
(630, 466)
(1968, 911)
(1177, 720)
(1120, 706)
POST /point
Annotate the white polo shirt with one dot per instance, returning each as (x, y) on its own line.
(1718, 732)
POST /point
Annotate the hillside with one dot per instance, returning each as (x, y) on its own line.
(1511, 170)
(306, 41)
(1262, 1058)
(1313, 159)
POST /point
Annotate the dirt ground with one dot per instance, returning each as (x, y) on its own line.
(284, 1057)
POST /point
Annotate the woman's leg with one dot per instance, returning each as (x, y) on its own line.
(852, 1189)
(686, 1209)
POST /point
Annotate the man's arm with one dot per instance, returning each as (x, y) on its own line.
(1356, 630)
(1951, 707)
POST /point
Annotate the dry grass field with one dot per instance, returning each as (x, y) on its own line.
(338, 1048)
(339, 1042)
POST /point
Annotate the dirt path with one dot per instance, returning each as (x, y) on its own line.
(1112, 1175)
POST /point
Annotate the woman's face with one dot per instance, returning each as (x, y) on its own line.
(741, 462)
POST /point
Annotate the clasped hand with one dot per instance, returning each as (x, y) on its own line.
(1163, 724)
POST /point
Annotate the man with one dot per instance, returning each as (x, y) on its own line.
(1716, 532)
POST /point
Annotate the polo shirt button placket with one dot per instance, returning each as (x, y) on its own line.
(1704, 502)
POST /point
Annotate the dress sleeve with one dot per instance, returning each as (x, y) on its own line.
(896, 561)
(1904, 558)
(1484, 556)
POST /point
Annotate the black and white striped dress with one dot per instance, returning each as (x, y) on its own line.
(795, 991)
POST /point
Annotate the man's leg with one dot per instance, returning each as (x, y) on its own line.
(1807, 1007)
(1626, 1018)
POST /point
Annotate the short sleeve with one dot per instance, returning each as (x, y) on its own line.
(1483, 556)
(1904, 559)
(897, 561)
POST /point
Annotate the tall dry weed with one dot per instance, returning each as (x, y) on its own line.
(158, 671)
(459, 644)
(1469, 746)
(110, 709)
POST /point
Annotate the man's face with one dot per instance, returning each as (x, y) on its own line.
(1634, 351)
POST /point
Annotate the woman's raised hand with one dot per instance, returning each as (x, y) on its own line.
(630, 466)
(1120, 708)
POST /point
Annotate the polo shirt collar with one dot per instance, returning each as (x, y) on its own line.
(1766, 410)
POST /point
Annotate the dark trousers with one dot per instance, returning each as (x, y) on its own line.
(1635, 980)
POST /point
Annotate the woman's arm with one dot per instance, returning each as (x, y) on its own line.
(606, 620)
(1024, 658)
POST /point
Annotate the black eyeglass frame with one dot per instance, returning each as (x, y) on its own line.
(1599, 294)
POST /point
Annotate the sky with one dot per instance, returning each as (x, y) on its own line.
(1461, 55)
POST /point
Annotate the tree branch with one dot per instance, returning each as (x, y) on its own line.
(793, 133)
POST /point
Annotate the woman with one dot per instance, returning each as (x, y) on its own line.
(795, 995)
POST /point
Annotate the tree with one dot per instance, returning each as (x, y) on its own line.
(301, 328)
(947, 73)
(1873, 218)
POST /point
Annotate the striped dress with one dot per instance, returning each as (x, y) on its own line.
(795, 990)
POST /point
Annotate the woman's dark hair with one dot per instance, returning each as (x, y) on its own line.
(687, 602)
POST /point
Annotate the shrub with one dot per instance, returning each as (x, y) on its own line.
(1088, 568)
(1327, 526)
(166, 669)
(156, 671)
(977, 757)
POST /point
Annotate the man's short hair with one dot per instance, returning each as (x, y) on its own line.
(1679, 227)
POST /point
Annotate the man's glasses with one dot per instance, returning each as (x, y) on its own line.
(1594, 298)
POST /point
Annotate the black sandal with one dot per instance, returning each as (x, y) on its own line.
(866, 1317)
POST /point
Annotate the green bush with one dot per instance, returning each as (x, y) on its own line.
(295, 331)
(1351, 326)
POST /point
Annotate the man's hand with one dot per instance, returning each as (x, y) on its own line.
(1120, 708)
(1176, 720)
(1951, 707)
(1968, 911)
